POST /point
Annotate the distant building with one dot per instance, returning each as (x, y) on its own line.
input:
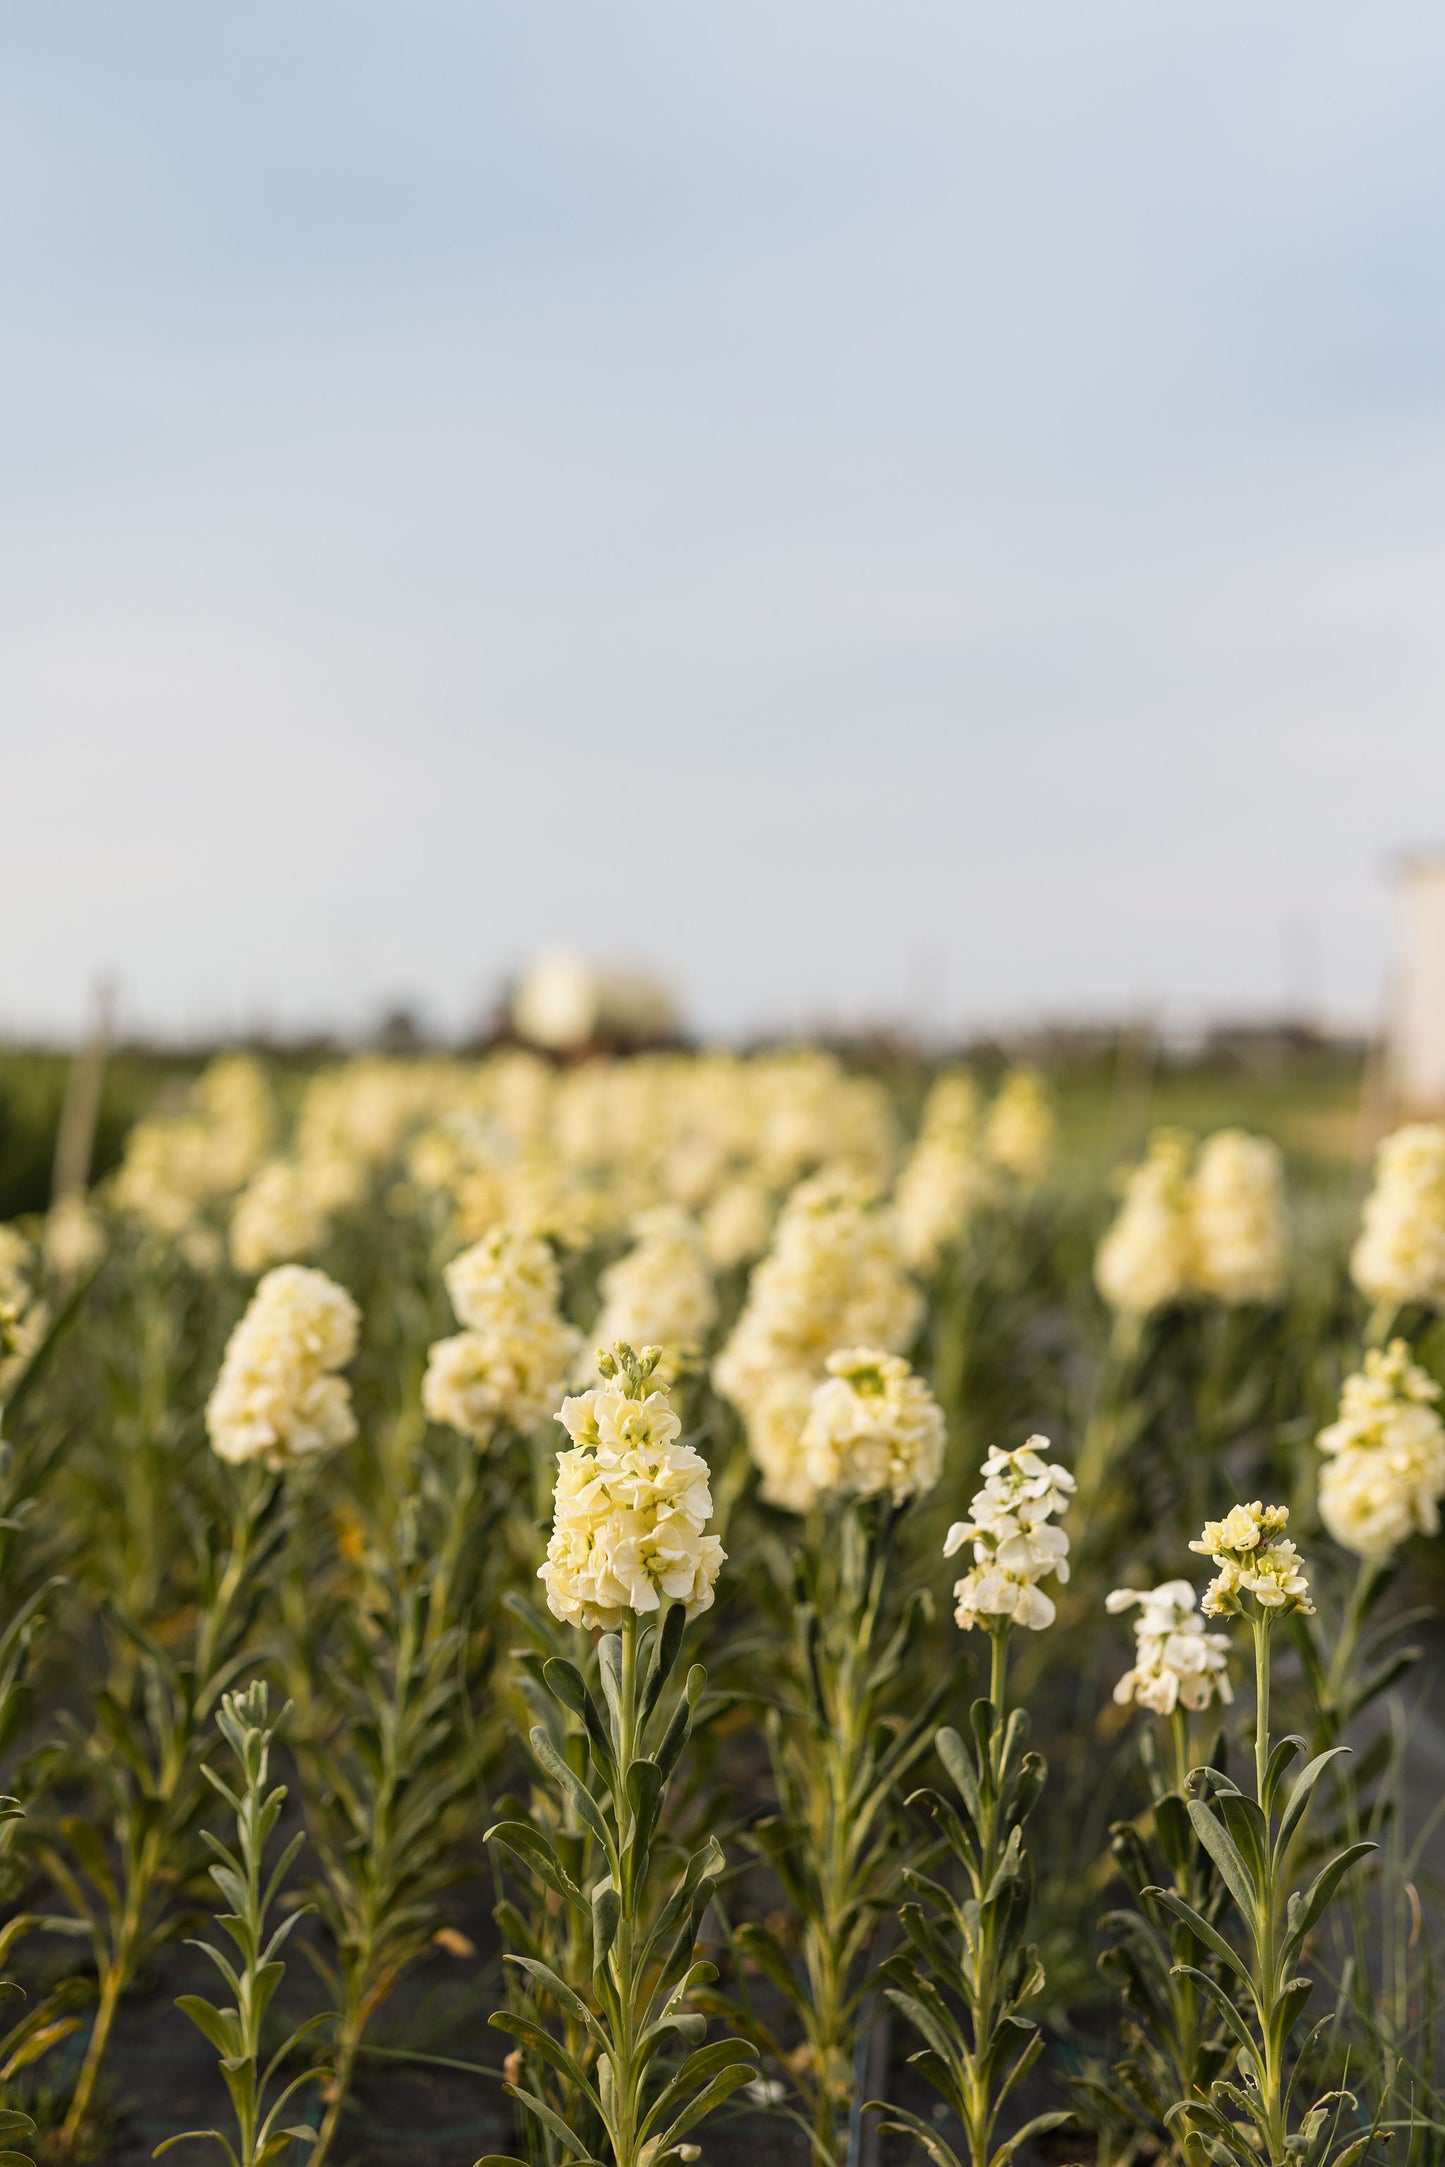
(568, 1005)
(1417, 1022)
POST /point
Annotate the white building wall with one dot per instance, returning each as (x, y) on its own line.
(1417, 1063)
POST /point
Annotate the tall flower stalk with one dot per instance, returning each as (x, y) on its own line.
(873, 1441)
(51, 2020)
(1176, 2043)
(256, 1970)
(1261, 1994)
(278, 1402)
(144, 1755)
(835, 1842)
(387, 1782)
(968, 1957)
(629, 1554)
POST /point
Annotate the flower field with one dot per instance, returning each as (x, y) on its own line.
(716, 1606)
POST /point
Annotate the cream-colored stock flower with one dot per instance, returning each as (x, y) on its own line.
(952, 1105)
(1400, 1255)
(1385, 1474)
(1176, 1662)
(278, 1398)
(1014, 1548)
(233, 1101)
(177, 1165)
(1253, 1557)
(631, 1504)
(738, 1224)
(277, 1218)
(1237, 1211)
(873, 1427)
(1021, 1131)
(74, 1240)
(23, 1315)
(661, 1293)
(942, 1189)
(1146, 1260)
(505, 1274)
(477, 1380)
(511, 1363)
(833, 1278)
(17, 1263)
(945, 1182)
(777, 1414)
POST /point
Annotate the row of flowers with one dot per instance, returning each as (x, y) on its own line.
(867, 1427)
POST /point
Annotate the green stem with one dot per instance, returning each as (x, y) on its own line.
(1268, 1986)
(1381, 1323)
(1179, 1735)
(998, 1675)
(343, 2065)
(832, 2041)
(459, 1529)
(1261, 1701)
(986, 1982)
(112, 1981)
(627, 2077)
(145, 1862)
(1338, 1674)
(1107, 1422)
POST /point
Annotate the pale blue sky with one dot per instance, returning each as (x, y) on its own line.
(861, 505)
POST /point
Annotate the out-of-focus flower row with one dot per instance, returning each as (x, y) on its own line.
(692, 1167)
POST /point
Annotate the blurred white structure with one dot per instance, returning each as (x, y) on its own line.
(563, 1002)
(1417, 1029)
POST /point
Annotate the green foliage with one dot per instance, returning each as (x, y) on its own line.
(968, 1956)
(1259, 1991)
(389, 1775)
(1176, 2044)
(257, 1969)
(854, 1722)
(119, 1866)
(44, 2026)
(645, 2075)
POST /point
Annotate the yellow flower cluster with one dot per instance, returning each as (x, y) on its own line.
(963, 1161)
(1254, 1557)
(1400, 1255)
(1212, 1231)
(23, 1315)
(945, 1181)
(833, 1278)
(661, 1293)
(574, 1156)
(1021, 1133)
(177, 1166)
(278, 1398)
(510, 1364)
(74, 1240)
(578, 1156)
(738, 1224)
(631, 1504)
(353, 1120)
(279, 1216)
(873, 1427)
(1237, 1214)
(1145, 1261)
(1385, 1472)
